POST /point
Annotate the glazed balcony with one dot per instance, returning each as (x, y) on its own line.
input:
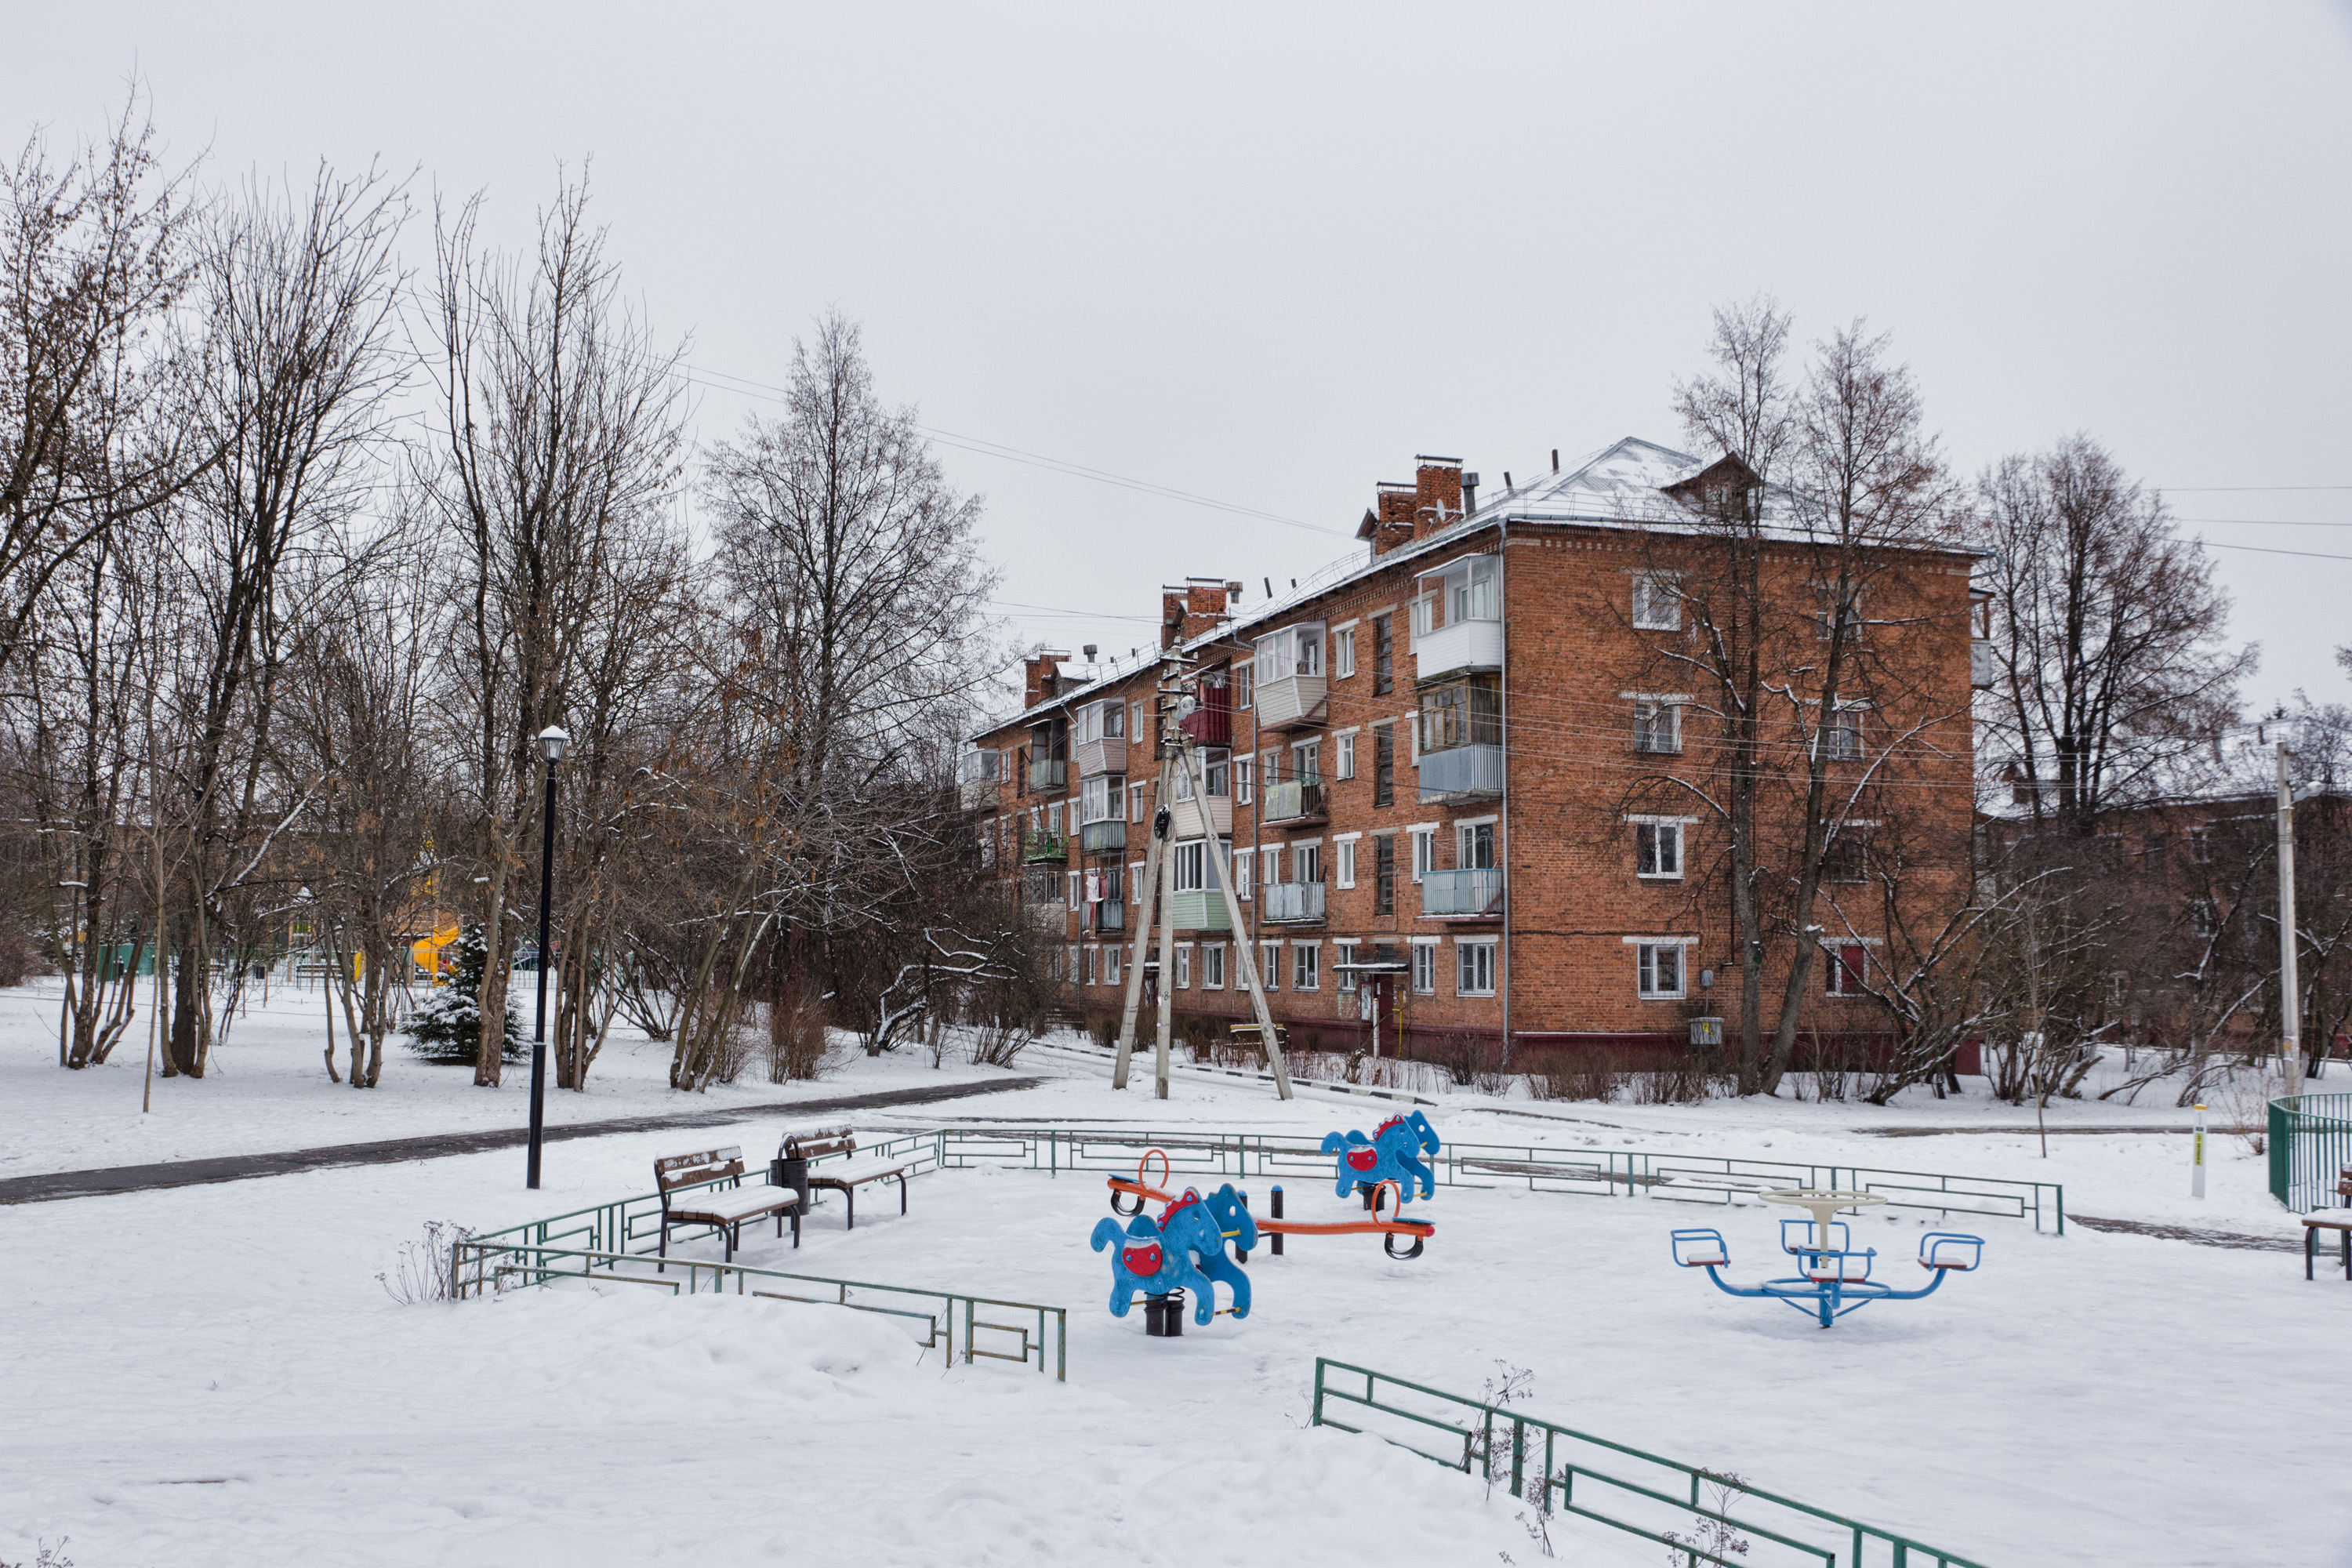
(1199, 909)
(1293, 702)
(1983, 672)
(1040, 848)
(1048, 775)
(1291, 903)
(1458, 626)
(1461, 772)
(1298, 801)
(1107, 755)
(1470, 895)
(1102, 838)
(1187, 820)
(977, 777)
(1464, 647)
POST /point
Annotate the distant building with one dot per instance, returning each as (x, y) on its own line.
(1424, 763)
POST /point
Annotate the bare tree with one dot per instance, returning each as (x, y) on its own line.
(559, 433)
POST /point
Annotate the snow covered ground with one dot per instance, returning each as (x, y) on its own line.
(213, 1375)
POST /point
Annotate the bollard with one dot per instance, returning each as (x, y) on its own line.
(2197, 1161)
(1240, 1254)
(1276, 1248)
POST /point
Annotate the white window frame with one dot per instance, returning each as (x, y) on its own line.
(1077, 889)
(1273, 872)
(1111, 951)
(1269, 966)
(1842, 732)
(1659, 826)
(1244, 775)
(1184, 967)
(1424, 848)
(1343, 651)
(1834, 960)
(1647, 708)
(1343, 979)
(1307, 966)
(1645, 949)
(1649, 589)
(1244, 873)
(1091, 961)
(1475, 953)
(1212, 966)
(1343, 755)
(1134, 882)
(1463, 830)
(1343, 866)
(1243, 681)
(1074, 962)
(1423, 976)
(1134, 801)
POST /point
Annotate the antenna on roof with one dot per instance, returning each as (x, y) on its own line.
(1269, 587)
(1507, 485)
(1555, 460)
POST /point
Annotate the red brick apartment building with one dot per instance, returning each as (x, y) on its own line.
(1437, 769)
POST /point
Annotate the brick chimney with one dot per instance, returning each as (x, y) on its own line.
(1389, 522)
(1041, 677)
(1192, 607)
(1436, 494)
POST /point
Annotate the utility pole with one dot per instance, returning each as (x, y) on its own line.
(1147, 899)
(2290, 991)
(1248, 949)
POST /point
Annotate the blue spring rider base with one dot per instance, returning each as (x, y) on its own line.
(1834, 1279)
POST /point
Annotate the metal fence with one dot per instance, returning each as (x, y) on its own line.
(2310, 1148)
(1700, 1516)
(1624, 1172)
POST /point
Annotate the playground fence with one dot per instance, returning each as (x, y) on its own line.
(1676, 1178)
(966, 1325)
(2310, 1145)
(1701, 1516)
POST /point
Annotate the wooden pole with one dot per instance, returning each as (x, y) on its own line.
(1222, 863)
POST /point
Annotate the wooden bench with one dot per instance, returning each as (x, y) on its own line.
(724, 1207)
(800, 1148)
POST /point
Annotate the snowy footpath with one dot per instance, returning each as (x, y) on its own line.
(214, 1376)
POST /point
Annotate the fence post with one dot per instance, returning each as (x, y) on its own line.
(1319, 1365)
(1519, 1459)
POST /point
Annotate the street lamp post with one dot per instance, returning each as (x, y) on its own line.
(551, 741)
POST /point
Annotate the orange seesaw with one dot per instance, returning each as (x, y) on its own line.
(1273, 1225)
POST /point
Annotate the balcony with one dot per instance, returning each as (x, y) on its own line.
(1461, 772)
(1292, 702)
(1106, 918)
(1472, 895)
(1290, 903)
(1107, 755)
(1199, 909)
(1189, 821)
(1049, 775)
(1212, 723)
(1102, 838)
(1298, 801)
(1462, 649)
(1041, 889)
(976, 795)
(1037, 849)
(1983, 673)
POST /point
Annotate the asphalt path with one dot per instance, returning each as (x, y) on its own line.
(61, 1184)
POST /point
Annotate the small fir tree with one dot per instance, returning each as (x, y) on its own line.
(446, 1028)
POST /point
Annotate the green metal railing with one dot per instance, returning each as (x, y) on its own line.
(1701, 1516)
(1677, 1178)
(949, 1318)
(2310, 1147)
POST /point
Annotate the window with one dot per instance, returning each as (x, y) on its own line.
(1101, 796)
(1345, 858)
(1661, 969)
(1343, 653)
(1384, 763)
(1114, 719)
(1343, 764)
(1463, 591)
(1658, 849)
(1269, 966)
(1307, 862)
(1845, 966)
(1214, 773)
(1424, 852)
(1271, 761)
(1090, 964)
(1292, 651)
(1842, 734)
(1244, 772)
(1657, 606)
(1245, 686)
(1134, 803)
(2200, 845)
(1183, 965)
(1473, 846)
(1657, 727)
(1834, 612)
(1383, 657)
(1846, 858)
(1244, 873)
(1110, 967)
(1053, 963)
(1212, 966)
(1112, 885)
(1384, 874)
(1135, 881)
(2203, 918)
(1306, 762)
(1273, 852)
(1076, 889)
(1425, 968)
(1465, 713)
(1343, 958)
(1135, 722)
(1054, 819)
(1306, 961)
(1474, 969)
(1195, 868)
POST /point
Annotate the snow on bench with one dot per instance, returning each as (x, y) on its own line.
(726, 1207)
(846, 1177)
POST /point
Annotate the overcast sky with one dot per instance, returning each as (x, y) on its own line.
(1265, 254)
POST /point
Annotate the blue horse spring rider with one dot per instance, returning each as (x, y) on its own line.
(1184, 1250)
(1392, 1153)
(1832, 1279)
